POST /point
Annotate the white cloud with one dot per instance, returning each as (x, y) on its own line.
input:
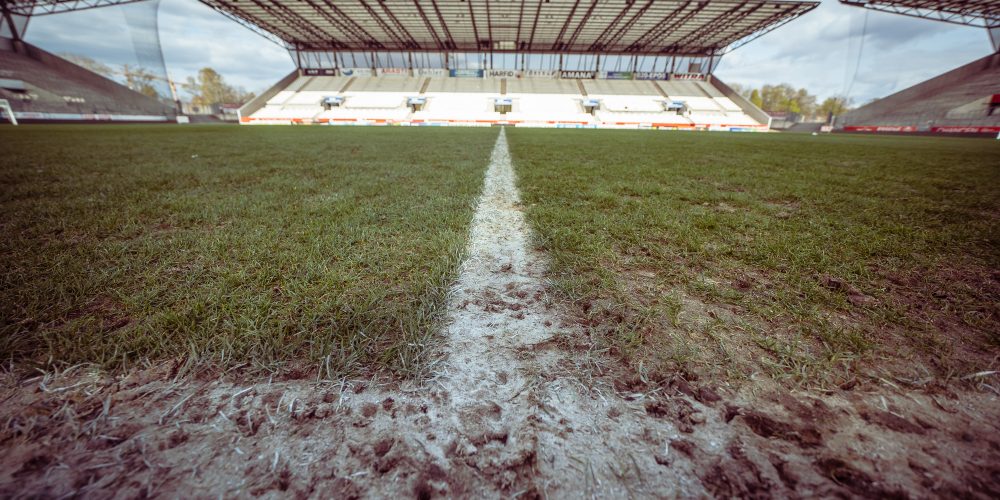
(193, 36)
(818, 51)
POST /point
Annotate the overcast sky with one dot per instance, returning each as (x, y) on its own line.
(818, 51)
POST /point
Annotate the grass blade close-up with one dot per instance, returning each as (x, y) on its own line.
(805, 258)
(331, 248)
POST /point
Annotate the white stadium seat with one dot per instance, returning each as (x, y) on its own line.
(458, 107)
(463, 85)
(542, 86)
(619, 87)
(325, 84)
(548, 107)
(636, 104)
(386, 84)
(630, 117)
(375, 100)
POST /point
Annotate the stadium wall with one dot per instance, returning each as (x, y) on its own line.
(258, 102)
(749, 108)
(115, 102)
(455, 98)
(933, 106)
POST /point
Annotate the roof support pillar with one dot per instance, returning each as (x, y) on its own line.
(11, 24)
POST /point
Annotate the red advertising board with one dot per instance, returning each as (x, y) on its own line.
(934, 130)
(880, 128)
(966, 130)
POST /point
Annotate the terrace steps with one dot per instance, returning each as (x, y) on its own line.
(658, 88)
(347, 85)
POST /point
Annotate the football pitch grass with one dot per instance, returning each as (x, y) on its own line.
(274, 248)
(297, 249)
(803, 257)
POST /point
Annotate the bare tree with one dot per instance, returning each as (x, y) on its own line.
(140, 80)
(90, 64)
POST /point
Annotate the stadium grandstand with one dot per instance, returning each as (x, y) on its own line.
(553, 63)
(965, 100)
(42, 87)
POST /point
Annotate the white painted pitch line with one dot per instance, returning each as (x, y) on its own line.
(493, 306)
(497, 384)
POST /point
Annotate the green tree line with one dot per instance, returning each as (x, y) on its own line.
(784, 98)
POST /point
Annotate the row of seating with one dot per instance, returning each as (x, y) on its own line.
(532, 100)
(958, 98)
(47, 84)
(329, 84)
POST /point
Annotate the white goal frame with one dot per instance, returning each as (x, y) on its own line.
(5, 106)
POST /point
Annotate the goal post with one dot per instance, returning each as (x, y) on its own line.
(7, 110)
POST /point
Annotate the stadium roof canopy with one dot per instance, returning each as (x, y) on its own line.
(43, 7)
(649, 27)
(982, 13)
(637, 27)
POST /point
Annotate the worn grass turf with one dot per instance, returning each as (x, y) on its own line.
(806, 258)
(329, 247)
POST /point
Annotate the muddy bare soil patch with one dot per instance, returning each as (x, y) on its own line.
(145, 434)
